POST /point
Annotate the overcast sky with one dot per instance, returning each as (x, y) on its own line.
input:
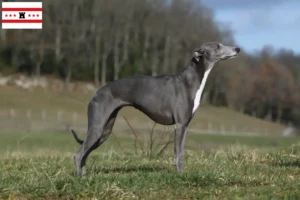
(257, 23)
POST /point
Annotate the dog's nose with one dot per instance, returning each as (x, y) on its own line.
(237, 49)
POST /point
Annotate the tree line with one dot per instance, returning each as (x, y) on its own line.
(101, 41)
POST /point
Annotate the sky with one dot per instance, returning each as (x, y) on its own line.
(256, 23)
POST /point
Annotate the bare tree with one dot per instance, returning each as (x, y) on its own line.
(107, 48)
(123, 28)
(37, 54)
(97, 31)
(154, 56)
(77, 30)
(97, 59)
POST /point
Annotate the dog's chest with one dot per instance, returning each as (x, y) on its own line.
(199, 92)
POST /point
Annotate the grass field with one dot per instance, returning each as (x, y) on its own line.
(40, 166)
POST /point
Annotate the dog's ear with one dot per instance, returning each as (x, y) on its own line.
(198, 53)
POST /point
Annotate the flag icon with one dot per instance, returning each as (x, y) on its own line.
(22, 15)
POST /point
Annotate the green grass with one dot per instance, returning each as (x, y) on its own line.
(40, 166)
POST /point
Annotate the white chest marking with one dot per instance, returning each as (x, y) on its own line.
(200, 90)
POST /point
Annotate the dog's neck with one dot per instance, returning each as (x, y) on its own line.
(195, 70)
(195, 76)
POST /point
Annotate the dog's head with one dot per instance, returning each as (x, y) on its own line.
(214, 52)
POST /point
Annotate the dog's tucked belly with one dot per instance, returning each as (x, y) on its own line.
(163, 117)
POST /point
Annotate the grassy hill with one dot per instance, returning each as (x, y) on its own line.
(69, 102)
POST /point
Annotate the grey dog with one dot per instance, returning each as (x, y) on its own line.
(167, 100)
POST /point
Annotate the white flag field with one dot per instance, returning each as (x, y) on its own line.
(22, 15)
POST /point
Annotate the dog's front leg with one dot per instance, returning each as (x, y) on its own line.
(180, 134)
(175, 149)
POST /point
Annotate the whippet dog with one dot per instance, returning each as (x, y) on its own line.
(167, 100)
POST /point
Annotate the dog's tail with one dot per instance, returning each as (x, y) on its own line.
(76, 137)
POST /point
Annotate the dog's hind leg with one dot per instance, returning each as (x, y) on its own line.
(97, 117)
(108, 128)
(99, 129)
(89, 144)
(105, 135)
